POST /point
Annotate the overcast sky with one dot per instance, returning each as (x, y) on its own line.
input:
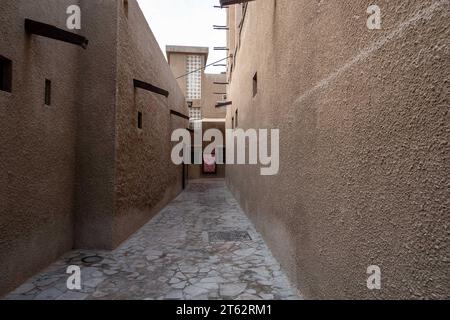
(187, 22)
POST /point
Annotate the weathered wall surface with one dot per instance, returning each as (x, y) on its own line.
(37, 142)
(177, 64)
(145, 175)
(364, 150)
(78, 173)
(209, 98)
(96, 126)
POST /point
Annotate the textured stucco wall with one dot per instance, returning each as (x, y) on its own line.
(96, 129)
(209, 99)
(146, 178)
(177, 62)
(37, 143)
(364, 150)
(78, 174)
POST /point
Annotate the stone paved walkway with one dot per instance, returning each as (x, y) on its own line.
(177, 255)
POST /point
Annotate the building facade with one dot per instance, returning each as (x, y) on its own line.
(203, 91)
(85, 134)
(364, 130)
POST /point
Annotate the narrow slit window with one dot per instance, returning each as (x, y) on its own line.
(5, 74)
(48, 92)
(255, 84)
(140, 120)
(232, 123)
(125, 7)
(236, 119)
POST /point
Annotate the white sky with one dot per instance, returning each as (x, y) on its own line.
(187, 23)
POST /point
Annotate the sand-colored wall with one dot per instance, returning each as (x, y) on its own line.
(96, 126)
(364, 147)
(78, 173)
(146, 178)
(177, 62)
(37, 143)
(210, 99)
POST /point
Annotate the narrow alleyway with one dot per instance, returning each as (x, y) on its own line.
(201, 246)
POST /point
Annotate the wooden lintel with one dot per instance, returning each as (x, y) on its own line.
(149, 87)
(52, 32)
(224, 104)
(179, 114)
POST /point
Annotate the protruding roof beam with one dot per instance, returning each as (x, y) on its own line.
(221, 104)
(230, 2)
(179, 114)
(52, 32)
(221, 27)
(150, 87)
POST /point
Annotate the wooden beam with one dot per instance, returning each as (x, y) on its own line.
(149, 87)
(230, 2)
(178, 114)
(52, 32)
(223, 104)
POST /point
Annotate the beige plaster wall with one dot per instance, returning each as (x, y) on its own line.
(78, 173)
(364, 150)
(146, 178)
(209, 99)
(96, 126)
(37, 143)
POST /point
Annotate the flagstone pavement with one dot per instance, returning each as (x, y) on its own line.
(195, 248)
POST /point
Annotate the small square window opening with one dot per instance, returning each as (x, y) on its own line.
(255, 84)
(48, 92)
(5, 74)
(140, 120)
